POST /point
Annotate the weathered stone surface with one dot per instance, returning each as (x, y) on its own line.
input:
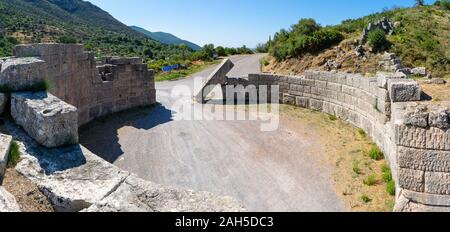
(8, 203)
(426, 198)
(437, 183)
(137, 195)
(440, 120)
(20, 73)
(288, 99)
(424, 160)
(3, 102)
(74, 179)
(5, 143)
(404, 90)
(404, 204)
(218, 76)
(412, 179)
(417, 119)
(50, 121)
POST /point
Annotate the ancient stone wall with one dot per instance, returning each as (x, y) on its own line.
(96, 90)
(413, 135)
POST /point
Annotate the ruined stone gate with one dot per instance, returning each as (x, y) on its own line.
(413, 134)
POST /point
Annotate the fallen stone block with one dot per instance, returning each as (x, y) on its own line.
(138, 195)
(47, 119)
(18, 74)
(8, 203)
(404, 90)
(5, 143)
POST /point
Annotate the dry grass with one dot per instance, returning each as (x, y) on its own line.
(26, 193)
(439, 93)
(347, 155)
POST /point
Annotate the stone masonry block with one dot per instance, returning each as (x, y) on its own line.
(424, 160)
(46, 118)
(302, 102)
(19, 73)
(437, 183)
(412, 179)
(404, 90)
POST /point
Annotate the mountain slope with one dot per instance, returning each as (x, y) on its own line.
(31, 21)
(421, 38)
(166, 38)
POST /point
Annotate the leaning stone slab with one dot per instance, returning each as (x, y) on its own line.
(47, 119)
(138, 195)
(5, 143)
(216, 77)
(20, 73)
(8, 203)
(404, 90)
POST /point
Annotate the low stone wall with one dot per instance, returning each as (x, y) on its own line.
(415, 138)
(96, 90)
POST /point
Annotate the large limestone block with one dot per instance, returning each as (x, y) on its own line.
(8, 203)
(218, 76)
(137, 195)
(404, 90)
(47, 49)
(20, 73)
(46, 118)
(5, 143)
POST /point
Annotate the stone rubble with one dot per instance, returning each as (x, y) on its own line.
(385, 24)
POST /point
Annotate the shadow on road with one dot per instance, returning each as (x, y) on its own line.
(101, 135)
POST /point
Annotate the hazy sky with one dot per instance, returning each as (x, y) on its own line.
(236, 22)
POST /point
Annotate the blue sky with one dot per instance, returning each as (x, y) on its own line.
(236, 22)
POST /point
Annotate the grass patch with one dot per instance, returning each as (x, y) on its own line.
(362, 133)
(174, 75)
(375, 153)
(390, 188)
(356, 169)
(366, 199)
(14, 155)
(332, 117)
(387, 178)
(370, 180)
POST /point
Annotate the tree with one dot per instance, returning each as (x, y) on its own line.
(183, 48)
(420, 2)
(209, 50)
(221, 51)
(306, 27)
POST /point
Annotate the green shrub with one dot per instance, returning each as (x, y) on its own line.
(370, 180)
(387, 175)
(366, 199)
(14, 155)
(444, 4)
(375, 153)
(378, 41)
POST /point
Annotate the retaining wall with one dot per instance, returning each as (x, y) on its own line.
(96, 89)
(413, 135)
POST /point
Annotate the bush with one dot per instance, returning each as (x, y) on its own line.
(375, 153)
(362, 133)
(378, 41)
(14, 155)
(444, 4)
